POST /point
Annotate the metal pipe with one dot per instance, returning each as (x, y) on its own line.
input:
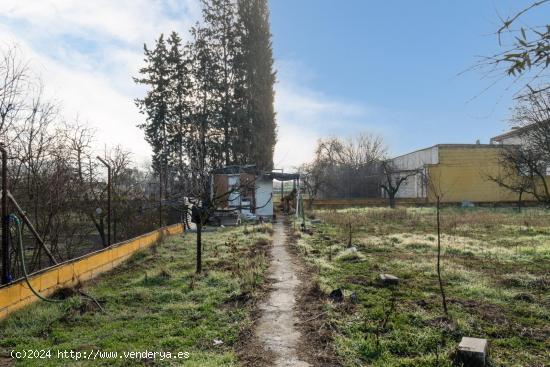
(108, 199)
(5, 219)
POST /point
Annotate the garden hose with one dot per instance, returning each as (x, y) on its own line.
(22, 257)
(23, 266)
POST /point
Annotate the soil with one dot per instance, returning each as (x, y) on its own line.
(276, 329)
(291, 329)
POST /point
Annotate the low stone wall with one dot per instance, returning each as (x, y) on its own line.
(362, 202)
(18, 294)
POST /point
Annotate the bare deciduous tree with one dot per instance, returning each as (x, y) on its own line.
(393, 178)
(346, 167)
(524, 166)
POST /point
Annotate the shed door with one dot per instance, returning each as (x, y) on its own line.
(233, 187)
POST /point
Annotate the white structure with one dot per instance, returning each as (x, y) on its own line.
(264, 196)
(246, 189)
(414, 186)
(514, 137)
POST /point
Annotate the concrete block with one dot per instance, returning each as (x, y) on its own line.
(9, 295)
(26, 292)
(472, 352)
(65, 274)
(49, 279)
(388, 279)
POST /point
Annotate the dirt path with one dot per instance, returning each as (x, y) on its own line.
(276, 328)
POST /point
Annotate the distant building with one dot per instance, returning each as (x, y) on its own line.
(246, 189)
(516, 136)
(459, 171)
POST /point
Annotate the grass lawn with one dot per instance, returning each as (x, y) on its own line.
(496, 269)
(155, 302)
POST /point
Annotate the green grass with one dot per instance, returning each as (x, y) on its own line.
(155, 302)
(496, 266)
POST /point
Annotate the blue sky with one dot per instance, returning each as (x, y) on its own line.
(344, 67)
(400, 62)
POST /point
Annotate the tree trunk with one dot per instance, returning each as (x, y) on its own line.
(391, 196)
(349, 228)
(443, 299)
(519, 201)
(199, 246)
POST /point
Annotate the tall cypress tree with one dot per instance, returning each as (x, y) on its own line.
(204, 145)
(257, 79)
(220, 22)
(155, 104)
(180, 100)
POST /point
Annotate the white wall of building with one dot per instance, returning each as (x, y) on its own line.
(264, 197)
(413, 186)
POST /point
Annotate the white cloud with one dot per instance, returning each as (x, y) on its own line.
(86, 53)
(128, 21)
(305, 115)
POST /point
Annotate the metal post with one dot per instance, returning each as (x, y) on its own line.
(5, 218)
(108, 199)
(282, 186)
(160, 197)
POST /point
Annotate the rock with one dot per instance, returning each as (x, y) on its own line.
(352, 249)
(388, 279)
(472, 352)
(336, 295)
(353, 298)
(326, 238)
(315, 221)
(217, 342)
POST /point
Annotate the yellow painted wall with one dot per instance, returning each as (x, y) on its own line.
(462, 175)
(17, 295)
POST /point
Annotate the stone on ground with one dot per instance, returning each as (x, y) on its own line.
(388, 279)
(472, 352)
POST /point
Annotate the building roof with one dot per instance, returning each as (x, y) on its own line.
(470, 146)
(280, 176)
(516, 131)
(511, 133)
(236, 169)
(252, 169)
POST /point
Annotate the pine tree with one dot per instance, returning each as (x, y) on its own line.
(204, 144)
(210, 103)
(258, 79)
(155, 104)
(180, 100)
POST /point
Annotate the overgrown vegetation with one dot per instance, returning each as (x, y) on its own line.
(156, 302)
(495, 266)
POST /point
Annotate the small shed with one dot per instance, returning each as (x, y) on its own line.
(245, 189)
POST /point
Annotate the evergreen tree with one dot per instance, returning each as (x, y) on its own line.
(210, 102)
(180, 100)
(257, 80)
(155, 104)
(204, 144)
(220, 22)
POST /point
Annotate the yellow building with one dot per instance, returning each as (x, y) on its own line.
(458, 172)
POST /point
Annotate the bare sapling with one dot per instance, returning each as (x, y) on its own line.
(434, 188)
